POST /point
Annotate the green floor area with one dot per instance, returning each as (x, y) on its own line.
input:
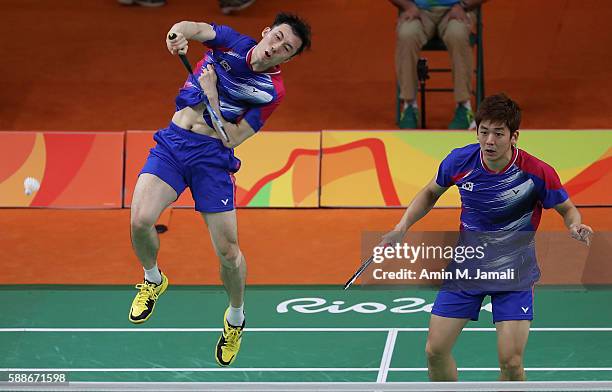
(52, 327)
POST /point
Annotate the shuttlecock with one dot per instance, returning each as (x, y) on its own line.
(30, 185)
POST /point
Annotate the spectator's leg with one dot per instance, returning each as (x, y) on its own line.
(411, 36)
(456, 36)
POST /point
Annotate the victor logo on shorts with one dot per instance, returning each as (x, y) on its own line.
(224, 202)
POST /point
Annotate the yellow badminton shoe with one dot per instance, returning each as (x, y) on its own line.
(144, 302)
(229, 342)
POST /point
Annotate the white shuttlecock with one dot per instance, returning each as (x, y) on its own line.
(30, 185)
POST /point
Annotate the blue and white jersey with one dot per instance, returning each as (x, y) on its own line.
(510, 200)
(504, 206)
(243, 93)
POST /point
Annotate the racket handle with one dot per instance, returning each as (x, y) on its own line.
(212, 114)
(172, 36)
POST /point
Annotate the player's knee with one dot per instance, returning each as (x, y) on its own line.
(511, 365)
(141, 221)
(434, 351)
(230, 255)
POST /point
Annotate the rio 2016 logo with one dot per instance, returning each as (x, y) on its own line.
(319, 305)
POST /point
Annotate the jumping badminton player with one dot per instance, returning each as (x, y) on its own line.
(503, 190)
(241, 79)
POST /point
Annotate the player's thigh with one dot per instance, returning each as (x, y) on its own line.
(223, 230)
(443, 333)
(151, 196)
(512, 338)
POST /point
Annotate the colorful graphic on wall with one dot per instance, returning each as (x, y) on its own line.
(68, 169)
(388, 168)
(279, 169)
(284, 169)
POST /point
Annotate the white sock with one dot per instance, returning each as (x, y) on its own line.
(466, 104)
(235, 316)
(153, 275)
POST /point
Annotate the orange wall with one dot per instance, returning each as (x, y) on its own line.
(74, 169)
(95, 65)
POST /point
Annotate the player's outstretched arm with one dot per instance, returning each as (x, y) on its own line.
(185, 31)
(573, 221)
(422, 203)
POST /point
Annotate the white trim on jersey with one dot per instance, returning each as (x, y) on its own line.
(510, 164)
(248, 56)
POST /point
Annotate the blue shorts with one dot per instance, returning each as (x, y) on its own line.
(183, 159)
(507, 305)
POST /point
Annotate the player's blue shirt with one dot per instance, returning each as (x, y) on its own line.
(508, 201)
(243, 93)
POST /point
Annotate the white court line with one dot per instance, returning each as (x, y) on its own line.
(166, 370)
(193, 329)
(321, 386)
(228, 369)
(385, 362)
(382, 370)
(289, 329)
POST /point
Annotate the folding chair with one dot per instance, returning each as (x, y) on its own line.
(423, 70)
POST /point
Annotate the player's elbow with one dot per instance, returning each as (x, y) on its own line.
(236, 139)
(565, 207)
(430, 197)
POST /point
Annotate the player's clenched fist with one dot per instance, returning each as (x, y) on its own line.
(581, 232)
(176, 43)
(208, 80)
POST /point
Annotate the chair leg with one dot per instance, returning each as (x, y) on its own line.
(480, 87)
(423, 111)
(481, 79)
(398, 105)
(479, 75)
(423, 75)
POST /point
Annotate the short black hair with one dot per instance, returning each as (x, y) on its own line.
(499, 109)
(300, 27)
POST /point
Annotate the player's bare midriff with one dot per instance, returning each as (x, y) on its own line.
(190, 118)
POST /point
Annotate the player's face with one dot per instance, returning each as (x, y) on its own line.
(495, 140)
(277, 45)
